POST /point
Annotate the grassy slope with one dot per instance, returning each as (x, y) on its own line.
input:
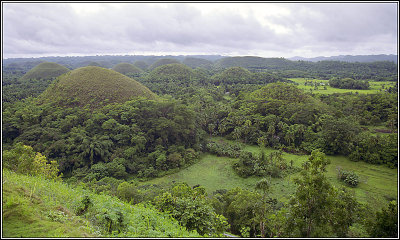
(25, 214)
(27, 201)
(94, 85)
(374, 87)
(378, 183)
(45, 70)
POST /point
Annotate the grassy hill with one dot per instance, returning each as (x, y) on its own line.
(34, 207)
(163, 61)
(46, 70)
(127, 68)
(95, 86)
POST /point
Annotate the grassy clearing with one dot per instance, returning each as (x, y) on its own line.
(378, 183)
(375, 87)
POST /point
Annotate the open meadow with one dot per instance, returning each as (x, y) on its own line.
(375, 87)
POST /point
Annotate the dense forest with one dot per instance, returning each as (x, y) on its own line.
(101, 127)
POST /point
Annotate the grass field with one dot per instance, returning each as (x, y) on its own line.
(375, 87)
(378, 183)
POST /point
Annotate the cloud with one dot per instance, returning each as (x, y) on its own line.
(246, 29)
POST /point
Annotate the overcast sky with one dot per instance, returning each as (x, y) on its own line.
(235, 29)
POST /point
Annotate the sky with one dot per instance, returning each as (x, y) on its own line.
(262, 29)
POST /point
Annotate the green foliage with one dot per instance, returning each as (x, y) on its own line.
(348, 177)
(386, 223)
(22, 159)
(380, 149)
(223, 148)
(273, 165)
(318, 208)
(191, 208)
(348, 83)
(337, 135)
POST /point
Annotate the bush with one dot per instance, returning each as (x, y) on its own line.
(224, 149)
(348, 177)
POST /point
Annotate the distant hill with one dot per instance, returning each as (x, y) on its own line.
(350, 58)
(251, 62)
(46, 70)
(141, 64)
(176, 72)
(163, 61)
(127, 68)
(197, 62)
(95, 86)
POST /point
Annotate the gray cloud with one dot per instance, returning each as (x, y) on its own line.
(313, 29)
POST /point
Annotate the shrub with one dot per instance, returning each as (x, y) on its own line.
(348, 177)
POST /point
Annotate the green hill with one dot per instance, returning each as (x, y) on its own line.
(141, 64)
(233, 75)
(127, 68)
(46, 70)
(95, 86)
(163, 61)
(197, 62)
(176, 72)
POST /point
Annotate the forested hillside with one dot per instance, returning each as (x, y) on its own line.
(104, 132)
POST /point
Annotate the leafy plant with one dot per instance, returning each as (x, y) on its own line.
(348, 177)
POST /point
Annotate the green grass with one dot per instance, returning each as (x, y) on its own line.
(32, 207)
(46, 70)
(25, 214)
(378, 183)
(96, 86)
(375, 87)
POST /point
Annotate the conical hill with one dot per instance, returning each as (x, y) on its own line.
(95, 86)
(45, 70)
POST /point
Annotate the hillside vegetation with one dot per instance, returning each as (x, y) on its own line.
(46, 70)
(95, 86)
(53, 209)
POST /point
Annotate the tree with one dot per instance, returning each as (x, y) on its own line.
(386, 223)
(22, 159)
(264, 186)
(318, 209)
(191, 208)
